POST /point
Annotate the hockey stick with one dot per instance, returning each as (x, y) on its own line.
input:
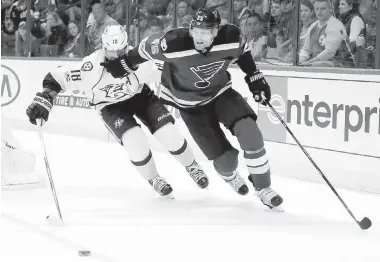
(51, 220)
(365, 223)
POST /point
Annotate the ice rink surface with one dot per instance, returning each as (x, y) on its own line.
(111, 211)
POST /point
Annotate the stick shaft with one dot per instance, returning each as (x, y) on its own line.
(48, 170)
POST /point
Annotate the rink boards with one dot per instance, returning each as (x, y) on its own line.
(323, 111)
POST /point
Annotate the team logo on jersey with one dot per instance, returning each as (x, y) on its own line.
(116, 91)
(154, 46)
(206, 72)
(67, 76)
(118, 123)
(163, 44)
(87, 66)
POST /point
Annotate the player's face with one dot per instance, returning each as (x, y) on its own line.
(114, 54)
(203, 37)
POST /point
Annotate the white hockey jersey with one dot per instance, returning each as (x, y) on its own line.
(100, 87)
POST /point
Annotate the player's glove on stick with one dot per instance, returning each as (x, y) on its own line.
(40, 107)
(257, 84)
(119, 67)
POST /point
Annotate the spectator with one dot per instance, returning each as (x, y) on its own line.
(215, 2)
(371, 41)
(72, 10)
(223, 12)
(256, 39)
(41, 5)
(287, 7)
(240, 8)
(351, 18)
(186, 20)
(57, 33)
(102, 20)
(7, 23)
(153, 26)
(366, 8)
(285, 25)
(118, 10)
(73, 47)
(108, 9)
(21, 46)
(196, 4)
(36, 26)
(259, 6)
(8, 29)
(243, 25)
(18, 12)
(351, 52)
(273, 23)
(183, 10)
(324, 37)
(371, 31)
(307, 17)
(156, 7)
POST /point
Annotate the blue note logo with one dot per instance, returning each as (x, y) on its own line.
(206, 72)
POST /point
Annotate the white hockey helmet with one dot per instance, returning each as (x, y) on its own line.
(114, 38)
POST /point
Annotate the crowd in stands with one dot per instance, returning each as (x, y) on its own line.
(334, 33)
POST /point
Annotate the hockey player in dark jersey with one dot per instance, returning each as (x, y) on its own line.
(196, 81)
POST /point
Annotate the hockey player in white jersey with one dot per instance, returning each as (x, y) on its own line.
(118, 96)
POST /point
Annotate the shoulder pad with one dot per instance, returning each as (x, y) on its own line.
(228, 33)
(175, 40)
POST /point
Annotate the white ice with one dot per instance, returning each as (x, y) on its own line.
(109, 210)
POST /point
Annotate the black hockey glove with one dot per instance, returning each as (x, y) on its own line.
(258, 86)
(40, 107)
(119, 67)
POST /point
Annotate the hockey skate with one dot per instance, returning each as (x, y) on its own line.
(161, 186)
(237, 183)
(197, 174)
(269, 197)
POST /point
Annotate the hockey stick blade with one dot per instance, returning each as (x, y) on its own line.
(365, 223)
(54, 221)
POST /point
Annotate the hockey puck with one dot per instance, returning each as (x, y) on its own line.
(84, 253)
(365, 223)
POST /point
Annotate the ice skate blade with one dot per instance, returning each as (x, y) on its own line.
(169, 196)
(278, 209)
